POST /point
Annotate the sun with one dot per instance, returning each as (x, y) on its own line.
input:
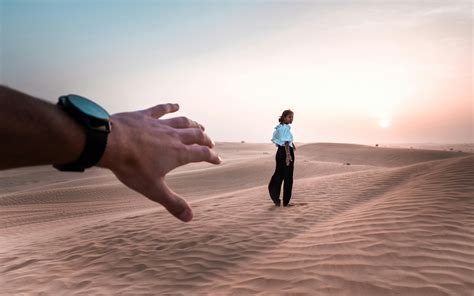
(384, 123)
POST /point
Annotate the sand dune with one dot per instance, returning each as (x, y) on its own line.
(376, 156)
(394, 222)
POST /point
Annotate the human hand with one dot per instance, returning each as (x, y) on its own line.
(142, 149)
(288, 159)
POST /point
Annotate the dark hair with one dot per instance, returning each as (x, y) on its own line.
(284, 114)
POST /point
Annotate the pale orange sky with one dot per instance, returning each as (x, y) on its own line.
(352, 71)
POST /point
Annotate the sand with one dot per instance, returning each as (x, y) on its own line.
(394, 222)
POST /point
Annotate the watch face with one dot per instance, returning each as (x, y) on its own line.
(88, 107)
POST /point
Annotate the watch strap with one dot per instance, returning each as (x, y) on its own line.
(96, 142)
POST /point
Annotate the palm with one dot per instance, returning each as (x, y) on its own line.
(151, 147)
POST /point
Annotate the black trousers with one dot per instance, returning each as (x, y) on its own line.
(283, 173)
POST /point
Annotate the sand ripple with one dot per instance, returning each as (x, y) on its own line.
(378, 230)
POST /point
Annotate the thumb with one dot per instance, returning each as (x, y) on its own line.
(175, 204)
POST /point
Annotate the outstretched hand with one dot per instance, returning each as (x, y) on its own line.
(142, 149)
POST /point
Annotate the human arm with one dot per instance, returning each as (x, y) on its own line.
(284, 136)
(35, 132)
(141, 148)
(288, 154)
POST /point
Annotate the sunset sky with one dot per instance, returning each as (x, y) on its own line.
(352, 71)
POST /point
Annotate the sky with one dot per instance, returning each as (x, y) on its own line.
(352, 71)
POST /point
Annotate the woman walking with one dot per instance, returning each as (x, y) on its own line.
(285, 160)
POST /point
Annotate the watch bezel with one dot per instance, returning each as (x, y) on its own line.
(91, 121)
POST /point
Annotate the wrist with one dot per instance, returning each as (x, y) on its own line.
(118, 154)
(110, 156)
(95, 121)
(73, 138)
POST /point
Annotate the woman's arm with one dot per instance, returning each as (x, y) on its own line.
(288, 154)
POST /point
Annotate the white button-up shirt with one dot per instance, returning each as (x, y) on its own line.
(282, 134)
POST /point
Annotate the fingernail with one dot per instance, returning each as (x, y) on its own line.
(220, 158)
(213, 143)
(186, 215)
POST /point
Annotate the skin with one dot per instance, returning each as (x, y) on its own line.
(288, 119)
(141, 148)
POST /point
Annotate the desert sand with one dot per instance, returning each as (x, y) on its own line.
(394, 222)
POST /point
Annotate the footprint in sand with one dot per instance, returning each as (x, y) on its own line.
(272, 208)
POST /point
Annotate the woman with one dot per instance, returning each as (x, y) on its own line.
(285, 160)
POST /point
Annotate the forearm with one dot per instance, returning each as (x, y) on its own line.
(287, 148)
(35, 132)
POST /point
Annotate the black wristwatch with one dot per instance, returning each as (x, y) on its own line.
(96, 122)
